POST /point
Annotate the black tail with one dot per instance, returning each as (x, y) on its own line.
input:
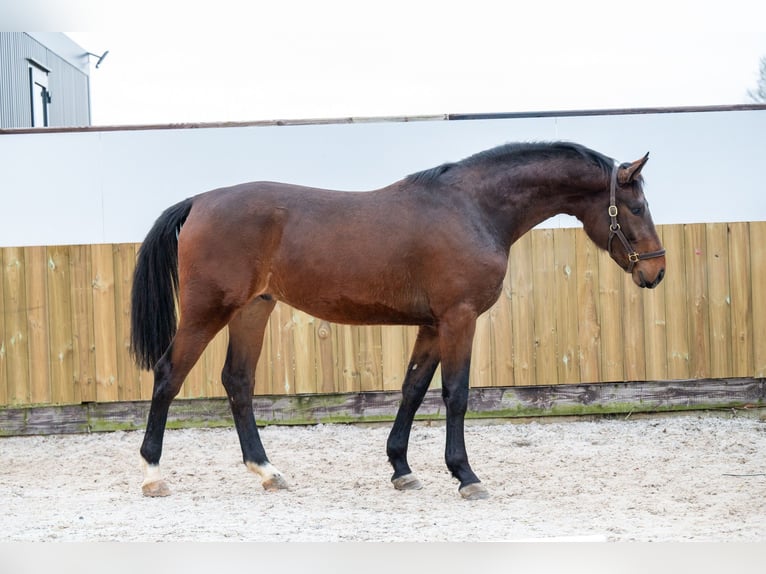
(155, 287)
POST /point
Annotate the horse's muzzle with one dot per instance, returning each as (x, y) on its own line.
(643, 282)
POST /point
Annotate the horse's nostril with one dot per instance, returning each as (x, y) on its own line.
(656, 282)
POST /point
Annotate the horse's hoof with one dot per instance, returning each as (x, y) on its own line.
(276, 482)
(475, 491)
(155, 489)
(407, 482)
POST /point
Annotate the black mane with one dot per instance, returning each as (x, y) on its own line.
(519, 154)
(430, 175)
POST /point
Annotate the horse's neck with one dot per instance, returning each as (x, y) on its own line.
(523, 198)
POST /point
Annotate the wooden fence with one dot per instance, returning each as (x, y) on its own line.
(567, 314)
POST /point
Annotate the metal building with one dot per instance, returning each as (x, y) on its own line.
(44, 81)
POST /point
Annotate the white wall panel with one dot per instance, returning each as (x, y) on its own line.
(109, 186)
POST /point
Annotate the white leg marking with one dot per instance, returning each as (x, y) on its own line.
(151, 472)
(153, 484)
(271, 478)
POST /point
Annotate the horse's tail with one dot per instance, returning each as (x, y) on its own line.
(155, 287)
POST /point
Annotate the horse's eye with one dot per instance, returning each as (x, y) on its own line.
(637, 210)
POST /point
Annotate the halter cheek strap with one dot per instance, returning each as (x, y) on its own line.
(616, 231)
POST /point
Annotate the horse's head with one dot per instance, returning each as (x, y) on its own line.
(625, 228)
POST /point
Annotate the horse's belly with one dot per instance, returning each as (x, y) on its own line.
(362, 311)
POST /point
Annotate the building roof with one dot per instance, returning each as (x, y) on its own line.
(64, 47)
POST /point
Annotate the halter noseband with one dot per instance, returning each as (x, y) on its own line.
(616, 231)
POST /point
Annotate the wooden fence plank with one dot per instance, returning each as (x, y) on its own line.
(282, 350)
(632, 317)
(522, 310)
(394, 355)
(543, 295)
(369, 357)
(565, 301)
(741, 300)
(481, 373)
(758, 277)
(697, 297)
(35, 264)
(655, 329)
(719, 299)
(107, 375)
(676, 307)
(61, 342)
(83, 336)
(347, 344)
(304, 339)
(589, 327)
(501, 324)
(611, 283)
(327, 358)
(129, 375)
(16, 351)
(263, 373)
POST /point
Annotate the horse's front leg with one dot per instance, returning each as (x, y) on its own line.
(420, 371)
(456, 331)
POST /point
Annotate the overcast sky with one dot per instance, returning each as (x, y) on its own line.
(172, 61)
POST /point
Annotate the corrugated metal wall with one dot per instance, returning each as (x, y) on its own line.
(68, 86)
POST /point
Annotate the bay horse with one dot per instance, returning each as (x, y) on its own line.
(429, 250)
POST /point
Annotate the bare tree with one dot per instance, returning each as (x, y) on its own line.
(758, 95)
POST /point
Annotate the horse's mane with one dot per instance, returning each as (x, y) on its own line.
(518, 154)
(430, 175)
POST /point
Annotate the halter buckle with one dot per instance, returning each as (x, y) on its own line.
(612, 211)
(634, 257)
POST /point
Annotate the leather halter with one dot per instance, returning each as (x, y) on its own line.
(616, 231)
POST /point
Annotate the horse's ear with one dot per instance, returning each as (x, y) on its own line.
(628, 173)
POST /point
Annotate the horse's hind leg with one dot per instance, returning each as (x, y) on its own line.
(246, 331)
(190, 341)
(420, 371)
